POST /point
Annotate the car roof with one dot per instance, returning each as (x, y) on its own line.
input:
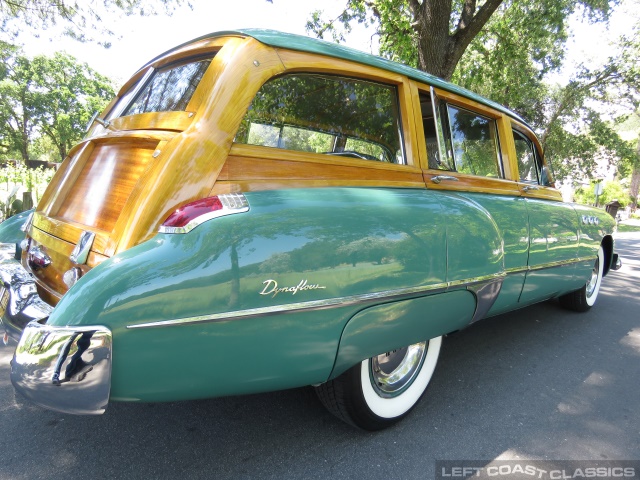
(301, 43)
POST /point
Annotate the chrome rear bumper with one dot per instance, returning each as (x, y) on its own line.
(67, 369)
(64, 369)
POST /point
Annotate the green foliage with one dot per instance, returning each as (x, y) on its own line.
(509, 58)
(622, 228)
(52, 97)
(15, 179)
(612, 190)
(433, 35)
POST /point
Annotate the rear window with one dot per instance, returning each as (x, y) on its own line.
(167, 89)
(326, 114)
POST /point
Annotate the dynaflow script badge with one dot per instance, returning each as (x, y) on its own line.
(271, 288)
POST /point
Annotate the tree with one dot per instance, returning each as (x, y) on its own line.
(16, 127)
(510, 60)
(80, 19)
(46, 96)
(433, 35)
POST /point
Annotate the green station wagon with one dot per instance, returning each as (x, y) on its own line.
(258, 211)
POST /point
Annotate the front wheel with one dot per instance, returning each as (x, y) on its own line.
(583, 299)
(381, 390)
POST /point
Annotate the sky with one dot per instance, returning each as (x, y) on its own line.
(143, 38)
(139, 39)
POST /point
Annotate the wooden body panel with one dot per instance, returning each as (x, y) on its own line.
(105, 182)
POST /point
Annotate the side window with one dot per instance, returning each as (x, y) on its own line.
(474, 143)
(459, 140)
(527, 159)
(326, 114)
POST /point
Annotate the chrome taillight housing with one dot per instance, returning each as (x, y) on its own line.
(189, 216)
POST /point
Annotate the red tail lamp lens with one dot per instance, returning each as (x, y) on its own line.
(182, 216)
(188, 217)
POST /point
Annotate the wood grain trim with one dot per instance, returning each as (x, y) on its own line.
(421, 145)
(262, 185)
(272, 153)
(188, 165)
(176, 121)
(244, 168)
(507, 149)
(467, 103)
(295, 61)
(60, 186)
(202, 47)
(69, 231)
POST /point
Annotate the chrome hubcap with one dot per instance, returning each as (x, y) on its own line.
(593, 281)
(392, 372)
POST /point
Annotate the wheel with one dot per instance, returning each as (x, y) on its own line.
(381, 390)
(583, 299)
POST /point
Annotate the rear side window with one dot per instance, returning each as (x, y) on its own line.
(326, 114)
(164, 90)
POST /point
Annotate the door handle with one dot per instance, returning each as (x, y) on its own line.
(439, 178)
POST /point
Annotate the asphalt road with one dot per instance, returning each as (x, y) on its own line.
(540, 383)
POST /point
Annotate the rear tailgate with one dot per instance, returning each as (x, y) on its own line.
(88, 194)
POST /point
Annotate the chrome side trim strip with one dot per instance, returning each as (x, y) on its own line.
(486, 289)
(389, 295)
(561, 263)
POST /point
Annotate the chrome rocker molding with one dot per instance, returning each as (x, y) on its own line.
(63, 368)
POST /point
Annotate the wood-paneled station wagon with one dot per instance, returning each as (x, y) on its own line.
(258, 211)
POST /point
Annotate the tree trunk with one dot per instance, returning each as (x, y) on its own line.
(439, 50)
(24, 137)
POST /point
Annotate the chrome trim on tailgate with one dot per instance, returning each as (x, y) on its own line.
(64, 369)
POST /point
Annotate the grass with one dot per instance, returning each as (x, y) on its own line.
(623, 228)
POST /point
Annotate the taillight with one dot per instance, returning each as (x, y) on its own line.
(189, 216)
